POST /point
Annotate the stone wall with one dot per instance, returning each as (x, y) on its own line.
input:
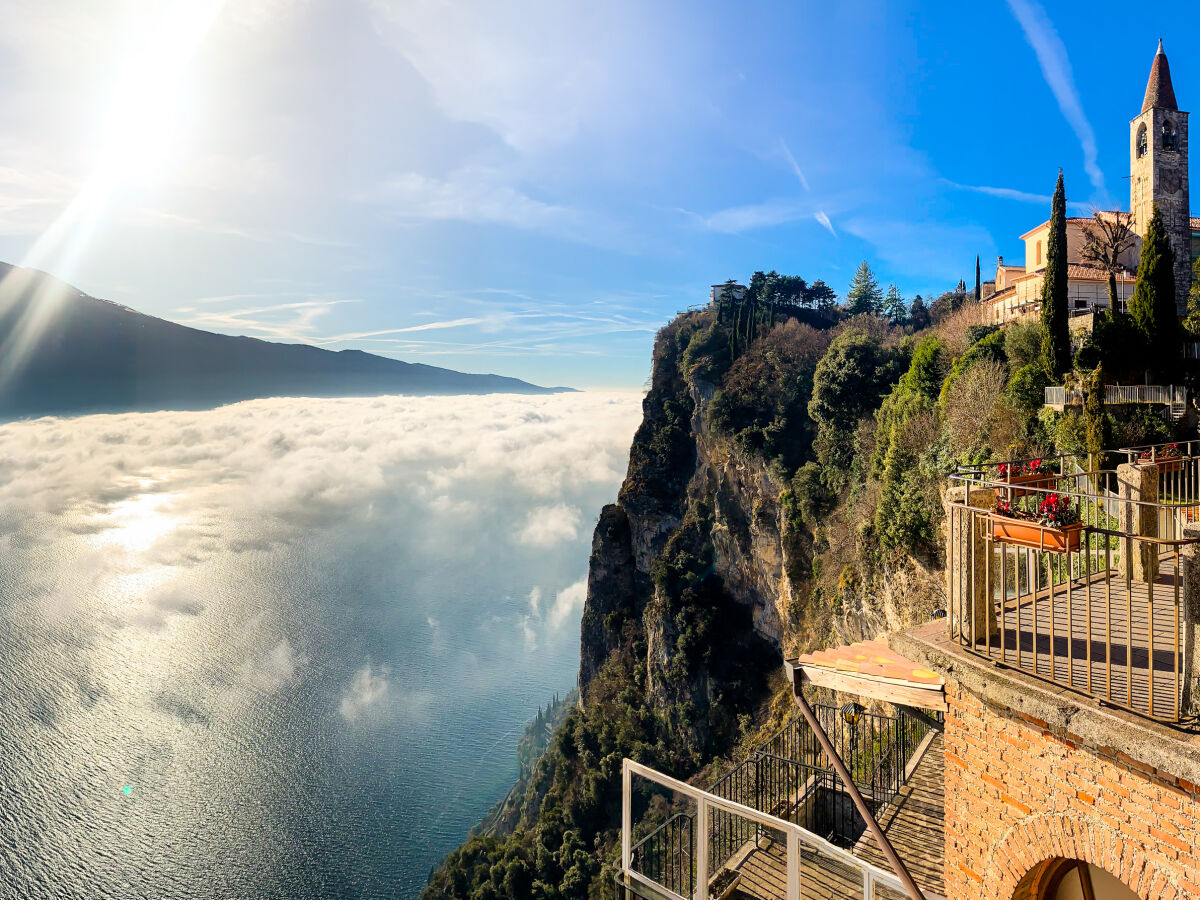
(1019, 793)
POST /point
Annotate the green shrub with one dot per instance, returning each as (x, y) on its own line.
(1027, 388)
(707, 354)
(976, 333)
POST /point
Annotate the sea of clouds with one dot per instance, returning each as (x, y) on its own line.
(176, 489)
(331, 601)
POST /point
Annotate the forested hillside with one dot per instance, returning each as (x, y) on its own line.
(782, 493)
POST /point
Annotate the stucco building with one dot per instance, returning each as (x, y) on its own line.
(1158, 169)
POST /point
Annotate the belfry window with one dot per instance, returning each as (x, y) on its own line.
(1170, 138)
(1141, 141)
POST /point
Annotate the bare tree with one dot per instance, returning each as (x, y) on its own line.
(1106, 239)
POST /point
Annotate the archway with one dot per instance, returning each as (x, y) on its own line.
(1070, 879)
(1058, 838)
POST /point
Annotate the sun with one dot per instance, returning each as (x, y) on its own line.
(145, 108)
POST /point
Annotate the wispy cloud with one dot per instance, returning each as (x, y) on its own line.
(737, 219)
(1018, 195)
(791, 161)
(294, 320)
(471, 195)
(821, 217)
(582, 68)
(487, 196)
(427, 326)
(1056, 69)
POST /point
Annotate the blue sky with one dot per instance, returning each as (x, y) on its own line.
(532, 188)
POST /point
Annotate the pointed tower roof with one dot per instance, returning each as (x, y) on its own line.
(1160, 94)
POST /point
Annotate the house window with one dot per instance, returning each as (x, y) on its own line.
(1170, 138)
(1141, 141)
(1038, 253)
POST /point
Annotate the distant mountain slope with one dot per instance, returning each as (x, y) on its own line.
(89, 355)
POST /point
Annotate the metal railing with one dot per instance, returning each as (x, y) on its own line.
(1178, 466)
(1174, 396)
(1095, 607)
(798, 846)
(786, 781)
(667, 855)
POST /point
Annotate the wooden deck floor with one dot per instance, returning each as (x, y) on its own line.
(913, 823)
(1079, 636)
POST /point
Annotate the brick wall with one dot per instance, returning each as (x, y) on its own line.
(1018, 795)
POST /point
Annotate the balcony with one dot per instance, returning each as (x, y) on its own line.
(780, 826)
(1099, 608)
(1172, 396)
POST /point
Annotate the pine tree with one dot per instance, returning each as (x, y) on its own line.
(1056, 335)
(918, 313)
(1152, 305)
(893, 305)
(864, 295)
(978, 284)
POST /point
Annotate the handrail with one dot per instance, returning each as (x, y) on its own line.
(661, 827)
(628, 766)
(983, 482)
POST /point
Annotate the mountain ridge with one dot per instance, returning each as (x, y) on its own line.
(95, 355)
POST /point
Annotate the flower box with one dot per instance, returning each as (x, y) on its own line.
(1168, 464)
(1026, 533)
(723, 886)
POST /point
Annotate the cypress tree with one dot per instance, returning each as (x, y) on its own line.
(1152, 306)
(1098, 427)
(978, 285)
(1056, 336)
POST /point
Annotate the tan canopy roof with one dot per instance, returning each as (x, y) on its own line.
(870, 669)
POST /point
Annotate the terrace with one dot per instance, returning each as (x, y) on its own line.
(1095, 602)
(781, 825)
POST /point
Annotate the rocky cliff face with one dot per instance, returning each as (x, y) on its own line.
(717, 498)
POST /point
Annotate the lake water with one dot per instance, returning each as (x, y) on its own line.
(283, 648)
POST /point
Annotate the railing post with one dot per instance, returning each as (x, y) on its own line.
(702, 849)
(1189, 639)
(793, 864)
(1138, 485)
(626, 817)
(970, 562)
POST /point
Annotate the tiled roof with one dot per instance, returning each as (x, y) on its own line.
(1160, 94)
(1089, 272)
(874, 659)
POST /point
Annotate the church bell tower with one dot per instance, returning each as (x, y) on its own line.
(1158, 168)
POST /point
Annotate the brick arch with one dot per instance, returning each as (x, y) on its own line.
(1038, 839)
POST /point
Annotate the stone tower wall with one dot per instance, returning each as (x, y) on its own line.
(1161, 176)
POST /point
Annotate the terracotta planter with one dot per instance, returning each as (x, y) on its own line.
(1043, 480)
(1032, 534)
(1169, 464)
